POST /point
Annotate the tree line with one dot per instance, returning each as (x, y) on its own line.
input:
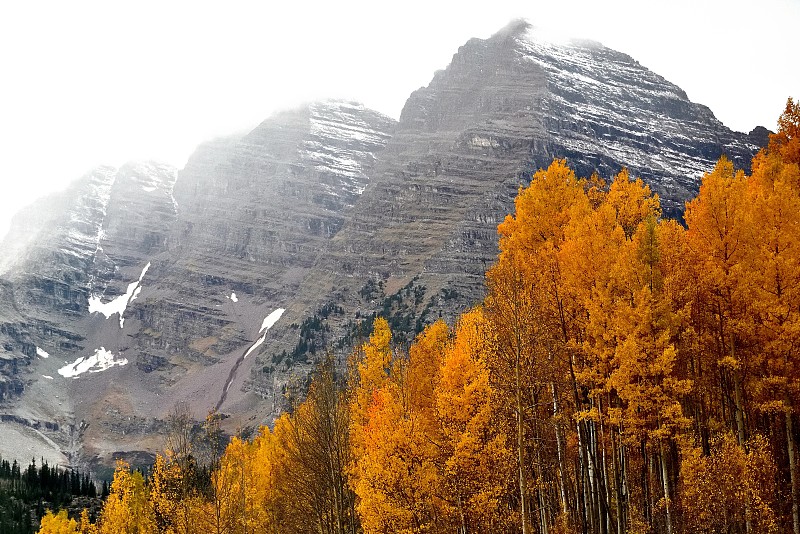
(625, 373)
(26, 493)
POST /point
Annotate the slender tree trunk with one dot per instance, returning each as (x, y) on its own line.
(790, 449)
(587, 477)
(580, 480)
(665, 481)
(622, 484)
(544, 527)
(580, 498)
(594, 478)
(647, 468)
(523, 487)
(740, 435)
(606, 490)
(463, 527)
(562, 482)
(737, 395)
(599, 479)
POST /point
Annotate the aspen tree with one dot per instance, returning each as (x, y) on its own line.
(477, 463)
(57, 523)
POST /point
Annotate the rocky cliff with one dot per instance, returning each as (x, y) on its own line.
(220, 284)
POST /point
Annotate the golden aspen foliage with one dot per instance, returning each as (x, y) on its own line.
(478, 463)
(397, 479)
(645, 327)
(86, 526)
(308, 455)
(166, 495)
(719, 229)
(590, 292)
(126, 510)
(58, 523)
(234, 482)
(396, 476)
(422, 376)
(774, 267)
(370, 369)
(535, 322)
(632, 201)
(786, 141)
(718, 224)
(543, 209)
(721, 491)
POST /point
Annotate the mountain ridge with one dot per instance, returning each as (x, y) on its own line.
(331, 212)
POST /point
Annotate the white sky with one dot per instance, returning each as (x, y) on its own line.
(87, 83)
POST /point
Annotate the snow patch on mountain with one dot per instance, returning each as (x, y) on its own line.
(101, 360)
(255, 345)
(42, 353)
(269, 321)
(120, 303)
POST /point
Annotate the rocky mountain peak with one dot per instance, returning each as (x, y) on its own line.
(580, 100)
(220, 284)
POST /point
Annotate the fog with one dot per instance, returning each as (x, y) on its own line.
(89, 83)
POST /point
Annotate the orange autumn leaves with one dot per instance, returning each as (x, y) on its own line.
(432, 458)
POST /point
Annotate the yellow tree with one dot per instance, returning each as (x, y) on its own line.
(516, 323)
(612, 277)
(786, 142)
(533, 319)
(292, 501)
(58, 523)
(477, 462)
(174, 499)
(86, 526)
(126, 510)
(645, 373)
(234, 483)
(369, 371)
(422, 375)
(314, 451)
(774, 267)
(719, 231)
(728, 488)
(632, 201)
(397, 477)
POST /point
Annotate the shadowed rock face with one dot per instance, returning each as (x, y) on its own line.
(154, 283)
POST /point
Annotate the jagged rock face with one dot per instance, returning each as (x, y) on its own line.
(68, 250)
(272, 196)
(144, 291)
(596, 107)
(51, 245)
(221, 283)
(252, 216)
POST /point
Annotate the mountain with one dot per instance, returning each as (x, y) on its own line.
(220, 284)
